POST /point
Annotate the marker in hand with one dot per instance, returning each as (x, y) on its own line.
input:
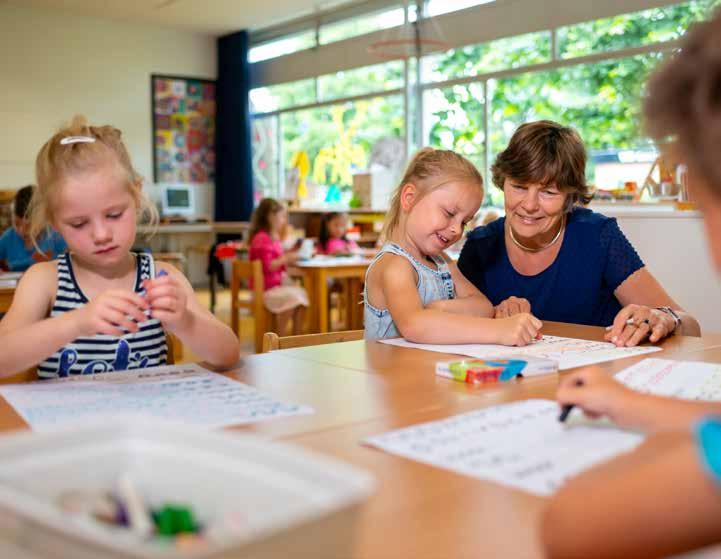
(565, 410)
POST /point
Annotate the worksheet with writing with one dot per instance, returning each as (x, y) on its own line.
(521, 444)
(692, 380)
(568, 352)
(186, 393)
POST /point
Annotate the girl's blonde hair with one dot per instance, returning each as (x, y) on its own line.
(428, 170)
(57, 160)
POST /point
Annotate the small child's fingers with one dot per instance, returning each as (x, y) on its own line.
(128, 308)
(164, 303)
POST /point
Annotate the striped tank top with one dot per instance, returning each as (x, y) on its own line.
(102, 353)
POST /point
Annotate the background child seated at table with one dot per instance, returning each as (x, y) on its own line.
(99, 307)
(413, 289)
(17, 250)
(665, 497)
(281, 297)
(332, 237)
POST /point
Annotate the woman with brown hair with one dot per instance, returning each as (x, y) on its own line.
(561, 261)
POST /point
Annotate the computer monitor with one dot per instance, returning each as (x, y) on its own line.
(178, 199)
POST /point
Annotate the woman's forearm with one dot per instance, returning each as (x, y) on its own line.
(689, 325)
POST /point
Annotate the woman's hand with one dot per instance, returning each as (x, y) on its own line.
(112, 313)
(511, 306)
(168, 301)
(520, 329)
(597, 394)
(634, 323)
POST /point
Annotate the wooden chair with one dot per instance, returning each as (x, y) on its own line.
(271, 340)
(175, 349)
(251, 300)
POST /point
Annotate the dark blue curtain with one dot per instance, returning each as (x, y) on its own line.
(233, 171)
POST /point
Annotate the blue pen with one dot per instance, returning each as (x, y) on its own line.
(161, 273)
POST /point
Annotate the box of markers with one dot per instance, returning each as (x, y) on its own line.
(482, 371)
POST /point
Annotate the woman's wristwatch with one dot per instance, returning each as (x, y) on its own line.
(673, 314)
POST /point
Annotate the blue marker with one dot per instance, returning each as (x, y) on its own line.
(161, 273)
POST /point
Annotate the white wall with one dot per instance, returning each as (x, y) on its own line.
(674, 248)
(54, 66)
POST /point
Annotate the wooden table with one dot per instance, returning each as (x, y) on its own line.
(6, 298)
(359, 389)
(316, 273)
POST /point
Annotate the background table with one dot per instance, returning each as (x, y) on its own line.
(316, 273)
(359, 389)
(6, 297)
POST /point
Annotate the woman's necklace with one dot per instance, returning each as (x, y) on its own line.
(539, 249)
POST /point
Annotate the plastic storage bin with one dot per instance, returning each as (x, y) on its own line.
(259, 499)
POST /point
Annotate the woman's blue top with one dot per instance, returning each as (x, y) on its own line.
(594, 259)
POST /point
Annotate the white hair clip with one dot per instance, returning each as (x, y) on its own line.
(77, 140)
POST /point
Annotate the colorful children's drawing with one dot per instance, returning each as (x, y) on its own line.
(183, 129)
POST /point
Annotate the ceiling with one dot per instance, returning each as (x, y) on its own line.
(215, 17)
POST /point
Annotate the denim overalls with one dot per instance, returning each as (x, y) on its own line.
(432, 285)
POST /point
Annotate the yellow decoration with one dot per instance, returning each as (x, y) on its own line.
(301, 162)
(343, 154)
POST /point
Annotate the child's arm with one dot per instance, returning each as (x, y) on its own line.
(27, 336)
(655, 502)
(468, 299)
(598, 395)
(427, 325)
(173, 302)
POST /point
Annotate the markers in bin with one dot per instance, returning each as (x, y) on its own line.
(482, 371)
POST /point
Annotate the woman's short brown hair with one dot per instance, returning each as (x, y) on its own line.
(544, 152)
(683, 102)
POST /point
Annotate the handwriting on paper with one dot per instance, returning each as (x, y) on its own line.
(522, 445)
(692, 380)
(186, 393)
(568, 352)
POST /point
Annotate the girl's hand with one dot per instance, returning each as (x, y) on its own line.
(597, 394)
(519, 329)
(634, 323)
(168, 301)
(291, 257)
(111, 312)
(511, 306)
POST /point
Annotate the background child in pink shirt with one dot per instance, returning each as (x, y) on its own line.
(281, 297)
(332, 237)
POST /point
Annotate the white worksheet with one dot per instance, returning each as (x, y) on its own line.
(186, 393)
(568, 352)
(522, 445)
(9, 279)
(692, 380)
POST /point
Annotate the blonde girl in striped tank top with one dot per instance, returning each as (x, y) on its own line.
(100, 308)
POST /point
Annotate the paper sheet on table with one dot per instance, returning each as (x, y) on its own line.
(692, 380)
(186, 393)
(522, 445)
(568, 352)
(9, 279)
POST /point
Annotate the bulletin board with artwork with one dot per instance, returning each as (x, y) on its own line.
(183, 129)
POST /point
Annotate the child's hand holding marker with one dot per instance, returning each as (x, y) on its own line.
(112, 313)
(167, 300)
(598, 395)
(519, 329)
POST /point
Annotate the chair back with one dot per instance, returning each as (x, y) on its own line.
(243, 271)
(272, 342)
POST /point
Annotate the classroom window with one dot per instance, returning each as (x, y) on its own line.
(338, 139)
(656, 25)
(360, 25)
(471, 60)
(369, 79)
(281, 96)
(282, 46)
(266, 157)
(454, 120)
(438, 7)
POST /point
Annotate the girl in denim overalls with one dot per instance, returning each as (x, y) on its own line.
(412, 288)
